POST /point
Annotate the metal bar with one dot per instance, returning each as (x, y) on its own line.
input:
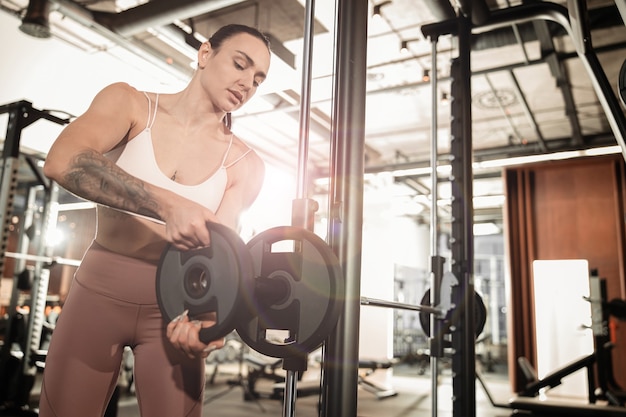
(384, 90)
(10, 167)
(305, 98)
(39, 291)
(579, 34)
(529, 115)
(504, 111)
(436, 271)
(289, 403)
(375, 302)
(158, 13)
(85, 17)
(434, 235)
(463, 333)
(346, 201)
(302, 213)
(44, 259)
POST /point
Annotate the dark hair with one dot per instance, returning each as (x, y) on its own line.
(228, 31)
(231, 30)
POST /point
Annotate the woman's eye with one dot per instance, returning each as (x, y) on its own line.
(238, 66)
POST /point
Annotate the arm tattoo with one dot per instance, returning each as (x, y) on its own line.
(93, 177)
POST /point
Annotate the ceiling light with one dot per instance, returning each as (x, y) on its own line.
(404, 47)
(35, 22)
(426, 75)
(445, 99)
(377, 7)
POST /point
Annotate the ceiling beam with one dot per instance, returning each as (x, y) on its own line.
(157, 13)
(548, 52)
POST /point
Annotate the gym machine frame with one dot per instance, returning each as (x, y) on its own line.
(452, 291)
(21, 115)
(574, 20)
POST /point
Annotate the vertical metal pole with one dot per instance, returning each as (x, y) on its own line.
(289, 403)
(39, 292)
(303, 210)
(463, 328)
(8, 187)
(305, 100)
(10, 164)
(346, 202)
(434, 222)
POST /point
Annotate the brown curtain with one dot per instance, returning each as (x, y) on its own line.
(519, 240)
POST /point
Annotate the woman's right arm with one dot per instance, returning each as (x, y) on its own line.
(76, 162)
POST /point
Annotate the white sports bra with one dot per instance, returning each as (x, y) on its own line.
(137, 158)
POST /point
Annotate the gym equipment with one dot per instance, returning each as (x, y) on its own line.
(19, 361)
(601, 383)
(205, 281)
(49, 261)
(366, 369)
(480, 316)
(282, 304)
(299, 292)
(241, 380)
(255, 290)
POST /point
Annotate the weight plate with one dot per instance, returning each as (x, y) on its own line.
(296, 295)
(480, 315)
(205, 281)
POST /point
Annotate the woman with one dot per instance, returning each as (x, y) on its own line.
(172, 158)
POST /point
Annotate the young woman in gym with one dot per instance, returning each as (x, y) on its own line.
(171, 157)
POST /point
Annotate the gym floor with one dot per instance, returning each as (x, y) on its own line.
(225, 399)
(412, 399)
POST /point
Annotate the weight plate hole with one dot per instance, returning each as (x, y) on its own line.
(278, 337)
(197, 282)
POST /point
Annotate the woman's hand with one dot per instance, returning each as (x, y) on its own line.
(186, 224)
(184, 335)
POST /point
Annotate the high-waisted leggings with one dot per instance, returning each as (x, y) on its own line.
(112, 304)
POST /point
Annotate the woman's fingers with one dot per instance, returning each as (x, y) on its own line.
(184, 334)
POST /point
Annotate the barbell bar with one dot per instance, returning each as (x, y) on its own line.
(367, 301)
(50, 260)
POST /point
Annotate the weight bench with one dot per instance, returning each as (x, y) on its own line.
(379, 390)
(312, 387)
(556, 408)
(527, 403)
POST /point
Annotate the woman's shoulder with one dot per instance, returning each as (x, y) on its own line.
(122, 91)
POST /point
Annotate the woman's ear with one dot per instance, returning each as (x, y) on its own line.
(203, 54)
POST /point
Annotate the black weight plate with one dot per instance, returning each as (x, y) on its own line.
(296, 295)
(205, 281)
(480, 315)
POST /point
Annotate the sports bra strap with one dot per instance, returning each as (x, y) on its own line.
(230, 144)
(151, 114)
(238, 158)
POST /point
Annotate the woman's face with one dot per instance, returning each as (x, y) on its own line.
(233, 72)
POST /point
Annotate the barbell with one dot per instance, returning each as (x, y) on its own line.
(48, 260)
(283, 292)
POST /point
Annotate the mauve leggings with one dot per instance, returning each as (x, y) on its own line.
(112, 304)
